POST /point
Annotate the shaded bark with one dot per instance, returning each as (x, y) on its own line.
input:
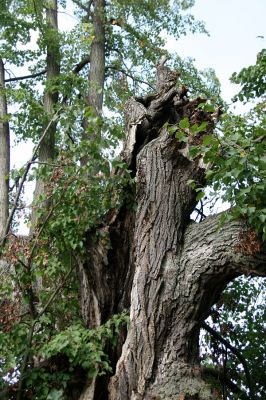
(4, 153)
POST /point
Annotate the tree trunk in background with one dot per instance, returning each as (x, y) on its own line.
(47, 147)
(97, 58)
(94, 98)
(168, 270)
(4, 153)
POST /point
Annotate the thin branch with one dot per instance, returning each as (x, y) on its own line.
(75, 71)
(25, 360)
(24, 176)
(131, 76)
(217, 374)
(55, 293)
(40, 230)
(20, 78)
(235, 351)
(49, 164)
(31, 332)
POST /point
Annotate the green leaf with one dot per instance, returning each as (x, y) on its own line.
(200, 195)
(207, 140)
(184, 123)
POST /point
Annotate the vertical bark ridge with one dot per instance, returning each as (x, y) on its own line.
(165, 202)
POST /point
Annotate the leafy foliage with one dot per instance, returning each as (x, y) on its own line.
(252, 79)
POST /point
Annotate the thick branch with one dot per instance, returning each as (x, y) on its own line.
(81, 65)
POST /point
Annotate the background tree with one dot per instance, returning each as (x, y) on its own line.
(51, 40)
(5, 153)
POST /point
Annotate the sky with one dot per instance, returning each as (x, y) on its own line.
(234, 27)
(233, 43)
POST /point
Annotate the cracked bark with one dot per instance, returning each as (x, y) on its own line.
(167, 269)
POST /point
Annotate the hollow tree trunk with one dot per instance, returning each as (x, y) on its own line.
(173, 269)
(4, 153)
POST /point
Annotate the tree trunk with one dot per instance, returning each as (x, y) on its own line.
(47, 147)
(94, 98)
(169, 270)
(97, 58)
(4, 153)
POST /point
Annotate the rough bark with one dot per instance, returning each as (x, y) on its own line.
(4, 153)
(47, 146)
(174, 269)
